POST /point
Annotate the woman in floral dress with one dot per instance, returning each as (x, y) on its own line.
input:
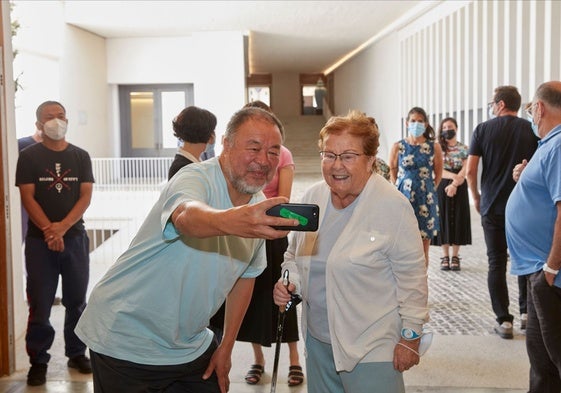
(416, 169)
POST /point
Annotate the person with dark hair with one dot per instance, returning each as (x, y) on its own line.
(416, 169)
(194, 127)
(260, 323)
(533, 230)
(55, 180)
(201, 244)
(362, 275)
(208, 153)
(453, 198)
(499, 143)
(24, 142)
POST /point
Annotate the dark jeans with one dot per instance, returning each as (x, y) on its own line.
(43, 269)
(495, 240)
(543, 335)
(120, 376)
(523, 293)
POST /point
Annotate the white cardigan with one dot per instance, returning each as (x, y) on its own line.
(376, 280)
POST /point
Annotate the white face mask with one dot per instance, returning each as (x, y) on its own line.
(534, 127)
(55, 129)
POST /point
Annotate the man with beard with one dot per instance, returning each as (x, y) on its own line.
(202, 243)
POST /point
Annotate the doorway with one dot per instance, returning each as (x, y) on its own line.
(146, 113)
(312, 94)
(259, 88)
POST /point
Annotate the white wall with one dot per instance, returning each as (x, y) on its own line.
(285, 94)
(39, 45)
(213, 62)
(369, 82)
(60, 62)
(84, 91)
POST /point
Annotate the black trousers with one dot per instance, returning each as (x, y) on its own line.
(112, 375)
(497, 255)
(543, 335)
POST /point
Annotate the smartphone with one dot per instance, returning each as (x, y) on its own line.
(307, 214)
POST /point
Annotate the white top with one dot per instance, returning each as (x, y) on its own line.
(376, 280)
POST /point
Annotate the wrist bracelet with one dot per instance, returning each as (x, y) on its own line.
(411, 349)
(546, 268)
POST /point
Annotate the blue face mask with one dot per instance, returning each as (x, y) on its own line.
(534, 127)
(416, 129)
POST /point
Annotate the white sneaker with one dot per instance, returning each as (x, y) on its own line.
(523, 321)
(504, 330)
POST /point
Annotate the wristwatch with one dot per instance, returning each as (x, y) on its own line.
(409, 334)
(546, 268)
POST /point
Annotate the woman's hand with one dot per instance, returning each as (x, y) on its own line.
(406, 355)
(281, 293)
(450, 190)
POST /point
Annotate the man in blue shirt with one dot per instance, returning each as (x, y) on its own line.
(533, 228)
(202, 243)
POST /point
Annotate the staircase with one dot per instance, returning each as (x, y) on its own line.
(301, 138)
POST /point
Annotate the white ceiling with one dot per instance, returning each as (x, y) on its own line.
(284, 36)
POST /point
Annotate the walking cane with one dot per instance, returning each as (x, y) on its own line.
(294, 300)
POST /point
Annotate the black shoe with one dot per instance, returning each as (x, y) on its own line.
(80, 363)
(37, 374)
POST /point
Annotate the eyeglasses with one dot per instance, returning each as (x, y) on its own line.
(529, 110)
(490, 104)
(346, 158)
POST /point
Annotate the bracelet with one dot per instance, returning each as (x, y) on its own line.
(546, 268)
(411, 349)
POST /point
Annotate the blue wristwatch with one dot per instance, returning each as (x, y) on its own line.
(409, 334)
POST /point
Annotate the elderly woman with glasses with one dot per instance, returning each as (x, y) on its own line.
(362, 275)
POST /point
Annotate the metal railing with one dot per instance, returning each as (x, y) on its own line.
(125, 190)
(130, 173)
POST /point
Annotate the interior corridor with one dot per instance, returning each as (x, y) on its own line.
(465, 357)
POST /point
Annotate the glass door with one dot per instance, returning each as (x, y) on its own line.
(147, 112)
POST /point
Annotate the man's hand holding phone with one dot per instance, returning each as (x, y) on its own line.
(306, 214)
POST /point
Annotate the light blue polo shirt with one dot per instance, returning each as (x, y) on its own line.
(154, 304)
(531, 210)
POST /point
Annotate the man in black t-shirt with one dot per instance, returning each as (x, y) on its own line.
(55, 180)
(500, 143)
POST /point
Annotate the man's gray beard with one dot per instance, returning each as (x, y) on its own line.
(242, 187)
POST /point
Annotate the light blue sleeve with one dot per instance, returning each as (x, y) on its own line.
(185, 186)
(258, 262)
